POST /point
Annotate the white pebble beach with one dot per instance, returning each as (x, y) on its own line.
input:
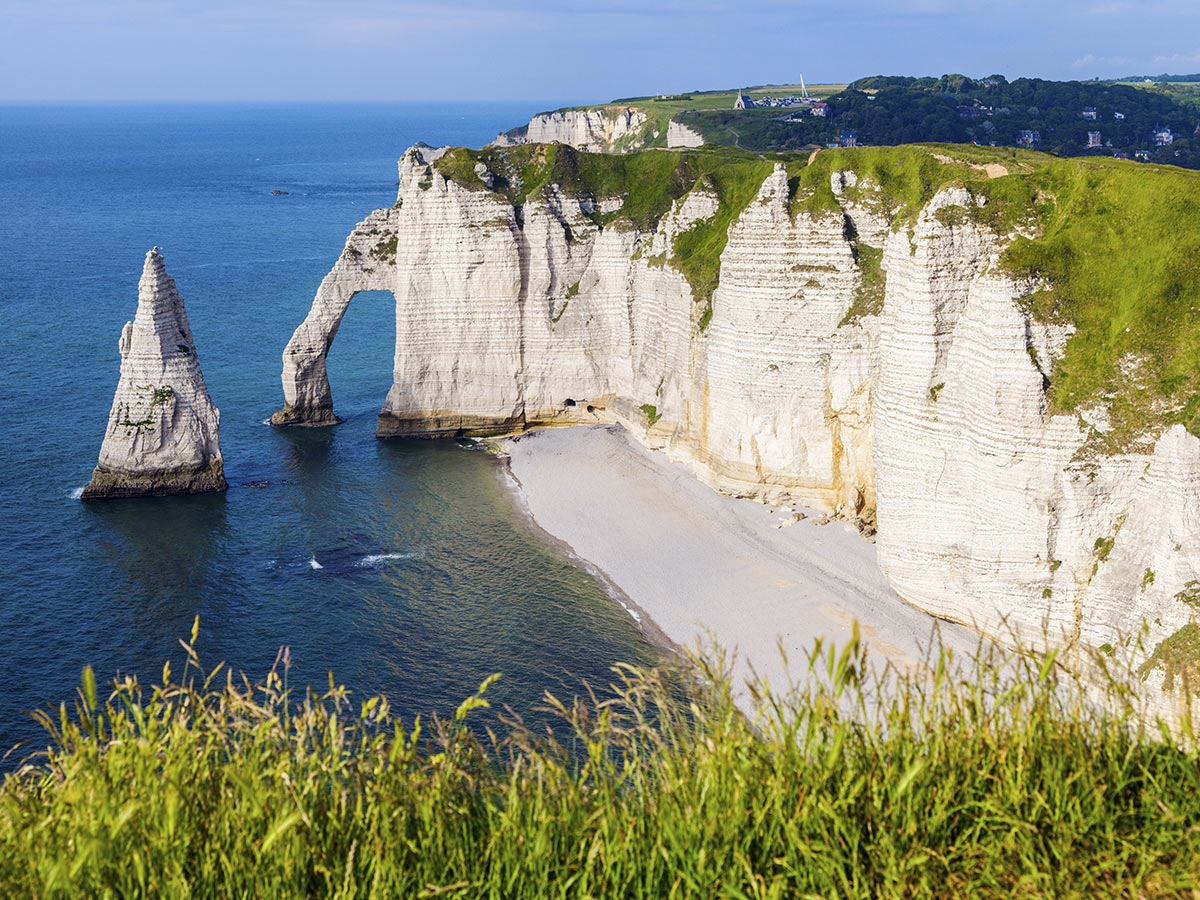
(703, 566)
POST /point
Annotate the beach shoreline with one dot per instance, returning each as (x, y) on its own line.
(645, 622)
(696, 568)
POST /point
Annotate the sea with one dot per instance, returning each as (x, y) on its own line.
(404, 568)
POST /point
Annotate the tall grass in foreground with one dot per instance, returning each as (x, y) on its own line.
(1007, 783)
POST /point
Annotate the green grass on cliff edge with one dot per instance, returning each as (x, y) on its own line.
(1114, 244)
(1002, 778)
(1119, 251)
(649, 181)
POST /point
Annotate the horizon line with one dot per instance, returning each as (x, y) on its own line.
(257, 101)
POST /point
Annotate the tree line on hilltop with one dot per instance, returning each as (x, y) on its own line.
(1061, 117)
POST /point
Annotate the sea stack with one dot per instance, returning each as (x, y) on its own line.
(163, 430)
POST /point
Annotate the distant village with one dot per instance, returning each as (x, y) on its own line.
(815, 107)
(803, 103)
(1160, 136)
(806, 105)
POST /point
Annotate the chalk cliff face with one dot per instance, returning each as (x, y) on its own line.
(926, 419)
(679, 135)
(602, 130)
(162, 435)
(599, 130)
(991, 510)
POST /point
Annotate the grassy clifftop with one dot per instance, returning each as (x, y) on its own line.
(1003, 778)
(1113, 243)
(1120, 254)
(648, 182)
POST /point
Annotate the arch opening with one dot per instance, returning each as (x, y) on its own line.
(359, 364)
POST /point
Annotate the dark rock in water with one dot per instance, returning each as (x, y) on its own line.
(311, 416)
(279, 193)
(163, 430)
(106, 485)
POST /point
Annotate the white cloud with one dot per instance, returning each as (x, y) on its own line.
(1177, 59)
(1175, 63)
(428, 22)
(1092, 61)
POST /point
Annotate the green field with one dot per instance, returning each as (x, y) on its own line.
(662, 111)
(1186, 92)
(724, 99)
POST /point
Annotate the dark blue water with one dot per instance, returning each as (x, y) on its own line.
(430, 579)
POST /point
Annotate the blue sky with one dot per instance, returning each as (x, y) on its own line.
(394, 50)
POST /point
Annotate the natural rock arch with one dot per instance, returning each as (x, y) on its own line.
(792, 389)
(367, 264)
(452, 259)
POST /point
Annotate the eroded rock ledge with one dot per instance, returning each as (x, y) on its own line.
(163, 430)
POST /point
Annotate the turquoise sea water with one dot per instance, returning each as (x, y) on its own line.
(429, 578)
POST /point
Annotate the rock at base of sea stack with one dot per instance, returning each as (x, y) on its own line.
(163, 432)
(311, 417)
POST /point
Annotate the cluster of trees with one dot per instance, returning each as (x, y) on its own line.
(887, 110)
(1161, 79)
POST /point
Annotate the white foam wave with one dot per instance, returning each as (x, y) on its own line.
(632, 612)
(77, 493)
(375, 559)
(314, 564)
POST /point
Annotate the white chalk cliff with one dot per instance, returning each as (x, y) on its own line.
(605, 129)
(928, 420)
(602, 129)
(163, 430)
(679, 135)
